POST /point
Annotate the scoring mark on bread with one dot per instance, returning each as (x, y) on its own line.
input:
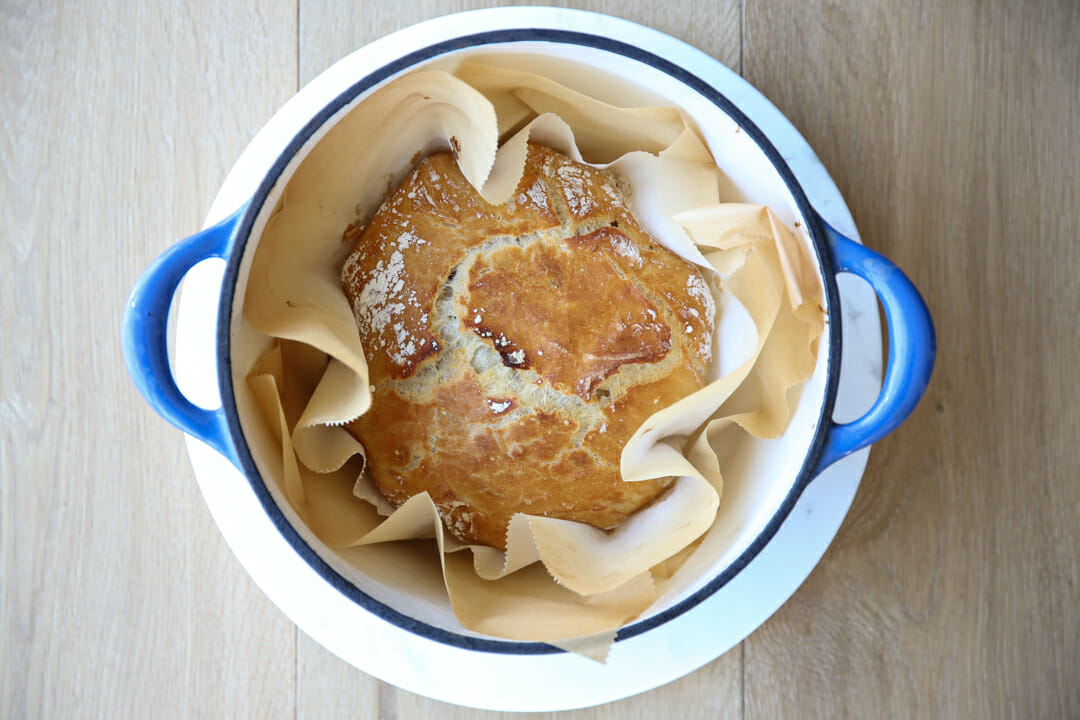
(501, 368)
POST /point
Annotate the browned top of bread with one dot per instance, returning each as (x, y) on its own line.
(514, 349)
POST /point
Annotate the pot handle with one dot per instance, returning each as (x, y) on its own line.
(144, 334)
(911, 349)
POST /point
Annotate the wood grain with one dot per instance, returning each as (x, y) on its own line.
(330, 31)
(328, 687)
(952, 589)
(118, 597)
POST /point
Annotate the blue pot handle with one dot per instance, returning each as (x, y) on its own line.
(145, 341)
(911, 349)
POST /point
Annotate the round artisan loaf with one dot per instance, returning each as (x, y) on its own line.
(514, 349)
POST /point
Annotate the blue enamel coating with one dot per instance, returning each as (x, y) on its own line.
(145, 341)
(911, 349)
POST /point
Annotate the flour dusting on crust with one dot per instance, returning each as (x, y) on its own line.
(576, 187)
(699, 290)
(383, 299)
(627, 248)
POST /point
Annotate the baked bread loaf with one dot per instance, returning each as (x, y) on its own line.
(514, 349)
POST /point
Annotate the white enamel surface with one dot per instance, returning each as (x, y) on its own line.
(559, 681)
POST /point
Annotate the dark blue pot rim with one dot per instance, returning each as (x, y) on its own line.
(232, 270)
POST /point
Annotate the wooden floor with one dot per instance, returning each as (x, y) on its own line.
(953, 588)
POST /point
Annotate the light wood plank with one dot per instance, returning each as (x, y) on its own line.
(953, 586)
(118, 597)
(712, 692)
(328, 31)
(952, 130)
(329, 687)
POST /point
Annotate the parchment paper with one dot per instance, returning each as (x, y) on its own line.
(559, 581)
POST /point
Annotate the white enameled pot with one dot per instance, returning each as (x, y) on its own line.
(347, 606)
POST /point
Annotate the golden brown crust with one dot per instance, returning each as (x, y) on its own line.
(515, 349)
(511, 295)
